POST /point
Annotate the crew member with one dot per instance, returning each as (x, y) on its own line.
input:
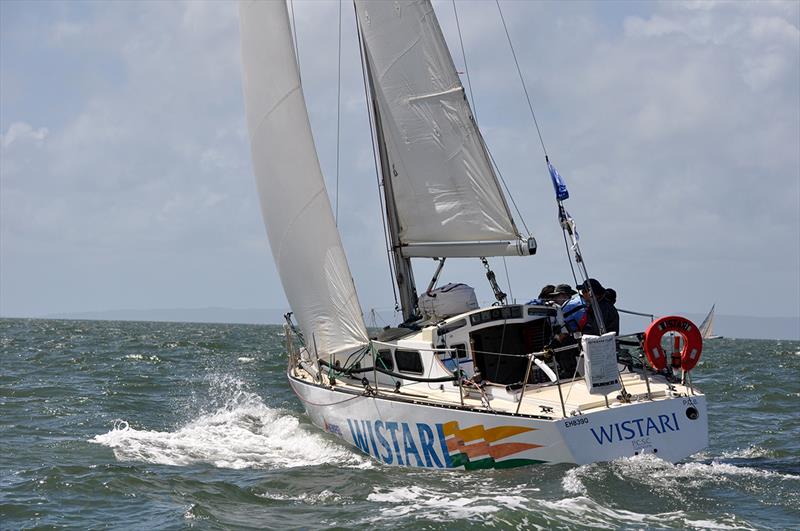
(607, 310)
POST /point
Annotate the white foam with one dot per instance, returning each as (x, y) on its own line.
(326, 496)
(724, 469)
(593, 514)
(442, 506)
(189, 514)
(596, 515)
(142, 357)
(751, 452)
(455, 504)
(571, 482)
(244, 433)
(652, 470)
(711, 524)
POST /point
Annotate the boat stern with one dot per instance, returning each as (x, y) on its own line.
(671, 428)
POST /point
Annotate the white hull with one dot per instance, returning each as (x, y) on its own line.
(400, 430)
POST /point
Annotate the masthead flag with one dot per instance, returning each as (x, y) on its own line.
(559, 185)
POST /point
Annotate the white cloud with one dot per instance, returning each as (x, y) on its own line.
(64, 30)
(21, 132)
(676, 129)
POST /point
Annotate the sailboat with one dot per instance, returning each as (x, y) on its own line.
(456, 386)
(707, 326)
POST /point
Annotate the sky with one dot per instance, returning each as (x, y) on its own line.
(126, 182)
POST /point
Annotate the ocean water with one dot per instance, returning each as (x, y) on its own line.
(134, 425)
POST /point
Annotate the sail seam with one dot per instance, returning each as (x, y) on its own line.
(399, 56)
(274, 108)
(291, 223)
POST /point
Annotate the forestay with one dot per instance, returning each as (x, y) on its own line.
(294, 202)
(445, 190)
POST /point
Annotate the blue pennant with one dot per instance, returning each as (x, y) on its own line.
(559, 185)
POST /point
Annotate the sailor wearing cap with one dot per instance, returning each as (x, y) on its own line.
(562, 293)
(593, 289)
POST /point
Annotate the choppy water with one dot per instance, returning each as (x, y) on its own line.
(153, 425)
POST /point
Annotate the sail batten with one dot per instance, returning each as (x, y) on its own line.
(456, 90)
(295, 206)
(444, 186)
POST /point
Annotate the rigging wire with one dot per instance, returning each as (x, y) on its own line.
(569, 257)
(464, 58)
(372, 134)
(508, 281)
(338, 114)
(508, 191)
(522, 80)
(578, 257)
(475, 117)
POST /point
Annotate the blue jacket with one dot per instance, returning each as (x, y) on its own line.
(574, 313)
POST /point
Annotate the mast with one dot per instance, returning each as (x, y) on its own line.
(403, 271)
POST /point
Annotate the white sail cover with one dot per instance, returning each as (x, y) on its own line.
(445, 189)
(294, 202)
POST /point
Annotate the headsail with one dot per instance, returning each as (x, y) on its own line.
(294, 202)
(707, 326)
(446, 196)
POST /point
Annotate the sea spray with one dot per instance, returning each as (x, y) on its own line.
(242, 432)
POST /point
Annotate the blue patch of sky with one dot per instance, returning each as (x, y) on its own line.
(613, 13)
(45, 82)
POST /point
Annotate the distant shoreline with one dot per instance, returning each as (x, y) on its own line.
(731, 326)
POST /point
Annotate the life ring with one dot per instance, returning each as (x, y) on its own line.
(692, 342)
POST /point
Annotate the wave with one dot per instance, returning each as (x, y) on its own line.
(515, 507)
(655, 472)
(751, 452)
(142, 357)
(326, 496)
(596, 515)
(572, 483)
(243, 433)
(683, 480)
(441, 505)
(648, 466)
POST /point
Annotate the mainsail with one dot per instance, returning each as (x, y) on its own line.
(294, 202)
(445, 194)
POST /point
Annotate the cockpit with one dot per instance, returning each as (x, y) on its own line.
(495, 343)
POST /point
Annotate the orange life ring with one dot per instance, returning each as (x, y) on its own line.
(692, 342)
